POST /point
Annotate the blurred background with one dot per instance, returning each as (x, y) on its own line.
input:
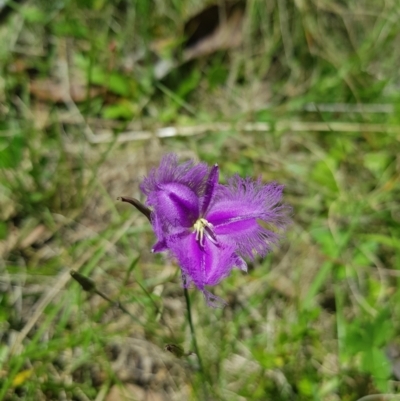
(94, 92)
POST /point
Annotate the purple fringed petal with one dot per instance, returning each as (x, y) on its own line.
(186, 280)
(240, 207)
(174, 191)
(211, 186)
(214, 301)
(170, 171)
(162, 229)
(175, 203)
(205, 265)
(219, 261)
(159, 231)
(159, 246)
(240, 263)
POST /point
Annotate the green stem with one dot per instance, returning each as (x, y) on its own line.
(194, 342)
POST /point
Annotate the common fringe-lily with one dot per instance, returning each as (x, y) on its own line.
(209, 227)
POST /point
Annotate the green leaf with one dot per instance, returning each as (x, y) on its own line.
(119, 84)
(318, 282)
(11, 151)
(382, 328)
(323, 237)
(33, 14)
(306, 386)
(217, 75)
(72, 27)
(122, 110)
(3, 230)
(322, 175)
(383, 240)
(376, 162)
(375, 362)
(356, 339)
(189, 84)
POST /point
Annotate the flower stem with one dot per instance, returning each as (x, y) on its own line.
(194, 342)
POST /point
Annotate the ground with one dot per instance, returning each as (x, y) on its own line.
(93, 93)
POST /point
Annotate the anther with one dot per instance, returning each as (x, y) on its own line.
(203, 227)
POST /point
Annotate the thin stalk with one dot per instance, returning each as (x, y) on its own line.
(194, 343)
(89, 285)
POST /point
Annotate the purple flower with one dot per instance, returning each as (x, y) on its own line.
(209, 227)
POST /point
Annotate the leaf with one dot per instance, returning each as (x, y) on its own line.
(217, 75)
(191, 82)
(369, 247)
(375, 362)
(306, 387)
(376, 162)
(323, 237)
(121, 110)
(71, 27)
(118, 84)
(33, 14)
(318, 282)
(355, 340)
(383, 240)
(382, 328)
(217, 27)
(3, 230)
(364, 334)
(131, 267)
(11, 151)
(322, 175)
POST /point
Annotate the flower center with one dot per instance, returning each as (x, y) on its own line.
(203, 228)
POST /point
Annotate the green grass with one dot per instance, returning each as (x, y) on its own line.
(315, 320)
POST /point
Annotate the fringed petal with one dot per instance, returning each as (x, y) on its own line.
(211, 186)
(160, 246)
(205, 264)
(214, 301)
(175, 204)
(240, 263)
(170, 171)
(249, 214)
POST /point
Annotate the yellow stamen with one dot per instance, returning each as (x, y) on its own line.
(200, 227)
